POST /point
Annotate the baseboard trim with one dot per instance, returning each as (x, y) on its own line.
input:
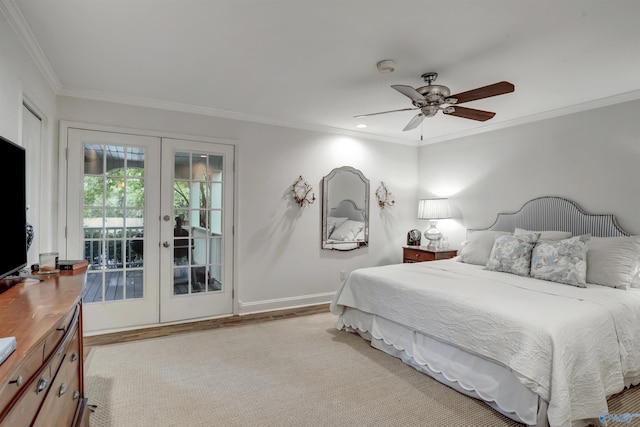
(284, 303)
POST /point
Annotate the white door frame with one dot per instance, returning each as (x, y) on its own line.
(65, 125)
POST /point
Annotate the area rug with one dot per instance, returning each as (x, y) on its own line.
(291, 372)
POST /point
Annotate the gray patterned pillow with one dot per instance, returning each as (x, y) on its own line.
(562, 261)
(512, 254)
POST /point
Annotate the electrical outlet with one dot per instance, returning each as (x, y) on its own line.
(343, 274)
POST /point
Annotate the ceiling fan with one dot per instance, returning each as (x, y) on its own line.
(432, 98)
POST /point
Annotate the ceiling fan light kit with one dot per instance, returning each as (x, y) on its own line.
(432, 98)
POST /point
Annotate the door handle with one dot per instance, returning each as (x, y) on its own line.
(166, 244)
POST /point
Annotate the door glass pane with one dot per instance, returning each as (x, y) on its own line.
(197, 258)
(93, 159)
(113, 222)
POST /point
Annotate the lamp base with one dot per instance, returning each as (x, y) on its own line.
(433, 235)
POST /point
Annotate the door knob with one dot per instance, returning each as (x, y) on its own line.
(165, 244)
(166, 218)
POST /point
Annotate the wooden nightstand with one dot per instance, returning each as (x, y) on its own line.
(422, 254)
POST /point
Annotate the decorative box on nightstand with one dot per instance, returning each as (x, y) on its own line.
(422, 254)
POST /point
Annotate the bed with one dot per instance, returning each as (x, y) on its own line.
(545, 346)
(346, 225)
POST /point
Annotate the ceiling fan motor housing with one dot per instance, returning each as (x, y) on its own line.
(434, 94)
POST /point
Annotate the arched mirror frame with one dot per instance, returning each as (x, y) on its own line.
(353, 209)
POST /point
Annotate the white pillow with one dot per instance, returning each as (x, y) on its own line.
(613, 261)
(348, 231)
(635, 282)
(477, 248)
(333, 222)
(545, 235)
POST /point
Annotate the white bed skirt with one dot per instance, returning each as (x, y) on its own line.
(458, 369)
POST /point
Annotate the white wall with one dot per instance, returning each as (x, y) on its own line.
(21, 81)
(279, 260)
(278, 255)
(591, 157)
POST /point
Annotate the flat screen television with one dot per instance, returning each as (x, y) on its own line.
(13, 214)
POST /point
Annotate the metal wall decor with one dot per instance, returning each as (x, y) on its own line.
(300, 190)
(384, 196)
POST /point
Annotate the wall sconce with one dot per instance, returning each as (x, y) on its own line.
(300, 190)
(433, 210)
(384, 196)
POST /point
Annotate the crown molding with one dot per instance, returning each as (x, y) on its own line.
(591, 105)
(138, 101)
(26, 36)
(24, 33)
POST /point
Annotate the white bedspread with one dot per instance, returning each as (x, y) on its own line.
(572, 346)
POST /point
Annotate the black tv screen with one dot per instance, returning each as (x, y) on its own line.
(13, 214)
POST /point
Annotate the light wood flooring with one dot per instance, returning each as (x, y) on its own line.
(224, 322)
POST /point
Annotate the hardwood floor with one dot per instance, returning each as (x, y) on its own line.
(162, 331)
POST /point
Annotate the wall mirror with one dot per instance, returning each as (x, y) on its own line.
(345, 209)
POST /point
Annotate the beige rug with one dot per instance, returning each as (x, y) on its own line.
(291, 372)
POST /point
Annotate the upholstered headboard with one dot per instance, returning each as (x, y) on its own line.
(347, 209)
(560, 214)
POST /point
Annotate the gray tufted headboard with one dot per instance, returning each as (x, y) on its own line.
(557, 213)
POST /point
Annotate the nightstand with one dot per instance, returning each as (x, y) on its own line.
(422, 254)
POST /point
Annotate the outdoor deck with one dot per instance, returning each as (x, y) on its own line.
(115, 286)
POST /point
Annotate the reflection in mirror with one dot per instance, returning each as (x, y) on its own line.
(345, 209)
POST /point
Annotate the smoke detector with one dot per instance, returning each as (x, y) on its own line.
(386, 66)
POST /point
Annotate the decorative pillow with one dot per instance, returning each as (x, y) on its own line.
(545, 235)
(348, 231)
(477, 248)
(333, 222)
(613, 261)
(562, 261)
(512, 254)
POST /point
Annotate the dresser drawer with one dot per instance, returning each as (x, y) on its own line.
(416, 255)
(65, 346)
(59, 407)
(26, 407)
(61, 330)
(20, 377)
(422, 255)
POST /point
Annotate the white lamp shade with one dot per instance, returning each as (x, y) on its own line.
(434, 209)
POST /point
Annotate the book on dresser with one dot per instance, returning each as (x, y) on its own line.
(72, 264)
(7, 346)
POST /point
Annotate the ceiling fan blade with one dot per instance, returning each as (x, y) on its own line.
(409, 91)
(417, 119)
(484, 92)
(469, 113)
(384, 112)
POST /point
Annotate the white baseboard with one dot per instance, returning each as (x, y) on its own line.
(284, 303)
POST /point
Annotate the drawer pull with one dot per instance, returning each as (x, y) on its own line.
(42, 384)
(62, 329)
(74, 356)
(17, 381)
(76, 395)
(63, 389)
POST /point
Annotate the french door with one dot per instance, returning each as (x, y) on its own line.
(154, 217)
(197, 226)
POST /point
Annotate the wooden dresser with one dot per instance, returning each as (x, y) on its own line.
(43, 379)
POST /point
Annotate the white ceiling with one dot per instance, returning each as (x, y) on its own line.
(312, 63)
